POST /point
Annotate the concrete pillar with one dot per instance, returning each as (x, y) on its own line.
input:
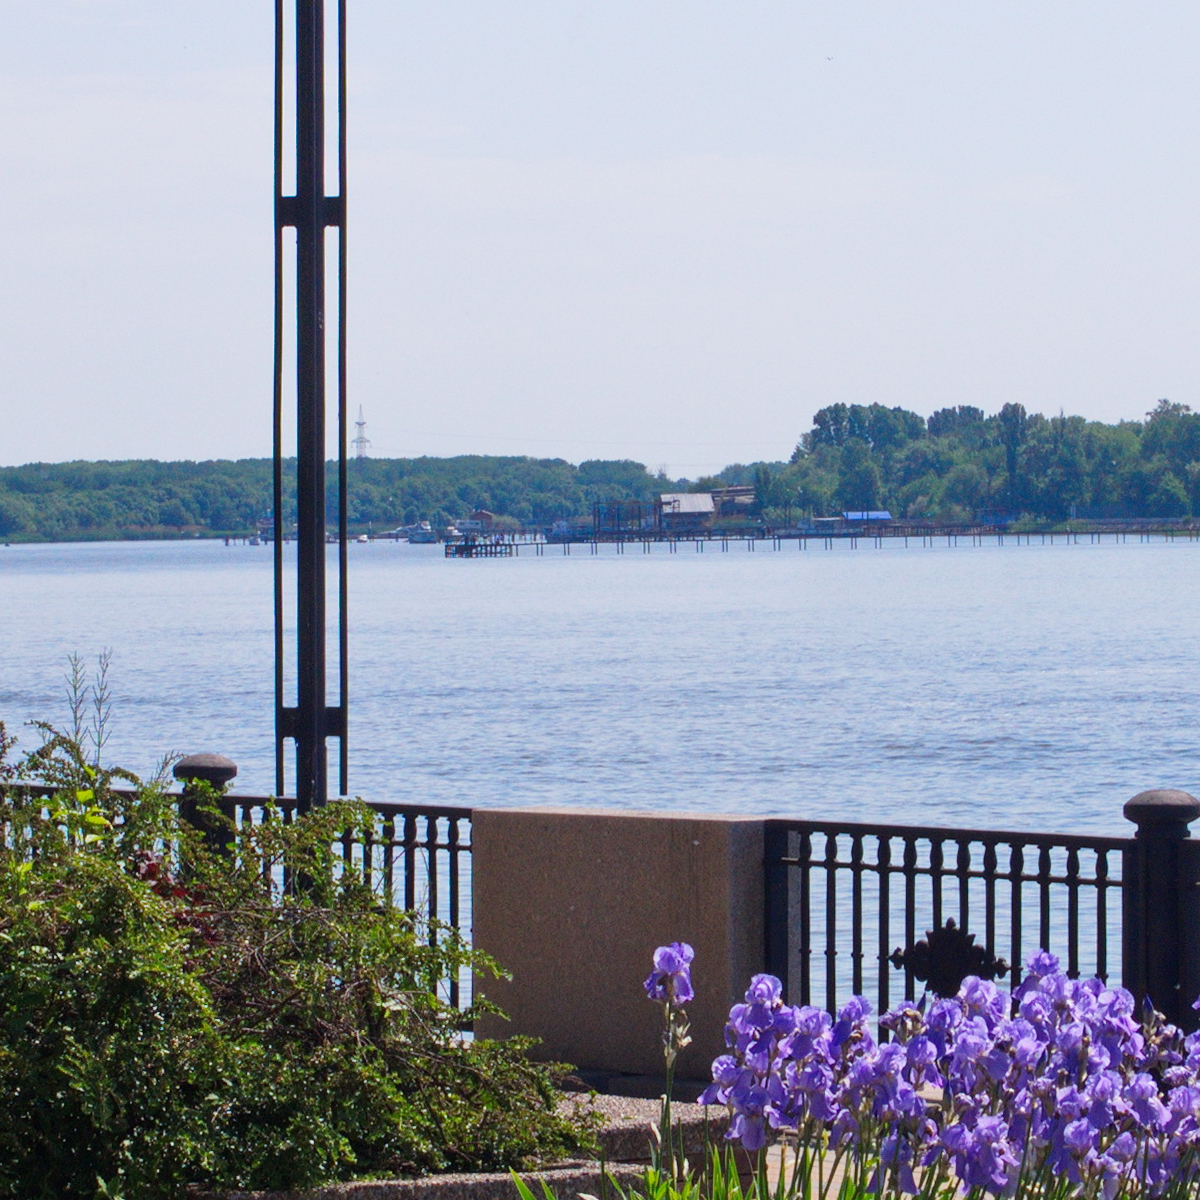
(573, 902)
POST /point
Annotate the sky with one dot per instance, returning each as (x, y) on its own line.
(662, 230)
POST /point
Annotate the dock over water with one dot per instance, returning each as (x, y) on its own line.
(803, 540)
(480, 549)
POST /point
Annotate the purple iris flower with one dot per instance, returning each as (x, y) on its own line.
(749, 1124)
(671, 980)
(1041, 964)
(727, 1073)
(1142, 1094)
(811, 1034)
(895, 1160)
(852, 1018)
(984, 1157)
(765, 990)
(982, 998)
(921, 1061)
(944, 1017)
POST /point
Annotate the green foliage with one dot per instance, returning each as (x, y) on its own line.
(1022, 465)
(728, 1174)
(51, 501)
(170, 1016)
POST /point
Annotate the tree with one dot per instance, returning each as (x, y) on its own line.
(876, 425)
(966, 486)
(831, 426)
(859, 481)
(15, 515)
(1014, 424)
(1173, 431)
(948, 422)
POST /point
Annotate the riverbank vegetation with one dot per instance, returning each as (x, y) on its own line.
(150, 499)
(170, 1015)
(959, 464)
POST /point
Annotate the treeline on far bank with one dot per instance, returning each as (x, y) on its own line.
(957, 465)
(147, 498)
(960, 465)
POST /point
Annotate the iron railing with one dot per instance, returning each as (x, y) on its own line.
(850, 906)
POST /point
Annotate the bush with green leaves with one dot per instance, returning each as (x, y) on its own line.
(171, 1016)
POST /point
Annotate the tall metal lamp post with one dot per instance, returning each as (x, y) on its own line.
(311, 721)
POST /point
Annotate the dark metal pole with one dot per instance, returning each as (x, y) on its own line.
(343, 490)
(277, 413)
(311, 782)
(310, 211)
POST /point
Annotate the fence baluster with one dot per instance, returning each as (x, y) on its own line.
(935, 879)
(910, 910)
(805, 864)
(884, 858)
(1044, 872)
(1073, 913)
(831, 951)
(1102, 914)
(856, 923)
(453, 851)
(410, 862)
(963, 868)
(368, 849)
(389, 854)
(989, 894)
(777, 878)
(1016, 873)
(431, 874)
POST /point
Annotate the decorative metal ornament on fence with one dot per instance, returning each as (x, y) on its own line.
(311, 721)
(945, 957)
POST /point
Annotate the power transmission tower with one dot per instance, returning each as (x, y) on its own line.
(361, 441)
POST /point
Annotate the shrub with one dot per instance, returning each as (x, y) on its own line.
(171, 1015)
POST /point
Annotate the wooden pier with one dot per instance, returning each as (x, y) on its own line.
(906, 534)
(480, 549)
(723, 544)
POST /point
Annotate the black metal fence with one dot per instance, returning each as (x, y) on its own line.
(887, 911)
(859, 896)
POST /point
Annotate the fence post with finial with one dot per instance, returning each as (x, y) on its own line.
(1160, 954)
(215, 770)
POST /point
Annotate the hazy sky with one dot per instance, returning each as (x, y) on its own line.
(660, 230)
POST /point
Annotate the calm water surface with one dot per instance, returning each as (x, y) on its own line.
(1027, 687)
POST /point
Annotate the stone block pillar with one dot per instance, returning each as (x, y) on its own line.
(573, 903)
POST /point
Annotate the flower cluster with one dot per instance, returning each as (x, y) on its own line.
(1063, 1084)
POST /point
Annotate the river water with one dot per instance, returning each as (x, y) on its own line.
(1031, 687)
